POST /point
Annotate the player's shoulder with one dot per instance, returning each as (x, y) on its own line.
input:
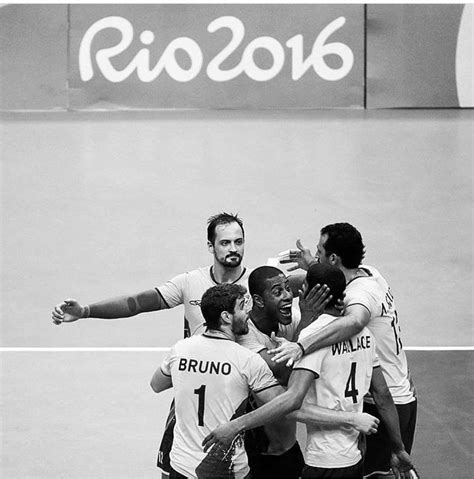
(321, 322)
(187, 343)
(203, 272)
(370, 282)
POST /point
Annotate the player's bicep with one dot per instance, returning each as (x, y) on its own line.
(266, 395)
(357, 317)
(279, 370)
(160, 381)
(300, 381)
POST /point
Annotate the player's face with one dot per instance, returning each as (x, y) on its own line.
(240, 316)
(228, 247)
(321, 255)
(278, 299)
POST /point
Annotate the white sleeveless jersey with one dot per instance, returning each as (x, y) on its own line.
(343, 374)
(257, 341)
(187, 289)
(374, 293)
(212, 378)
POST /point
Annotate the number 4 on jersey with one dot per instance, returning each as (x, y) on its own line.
(351, 390)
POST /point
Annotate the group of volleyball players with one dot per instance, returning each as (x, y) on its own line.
(335, 363)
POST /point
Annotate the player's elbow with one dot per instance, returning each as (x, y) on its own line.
(295, 401)
(154, 386)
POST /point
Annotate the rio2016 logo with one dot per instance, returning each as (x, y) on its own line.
(247, 65)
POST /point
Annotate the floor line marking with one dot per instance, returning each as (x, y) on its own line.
(166, 349)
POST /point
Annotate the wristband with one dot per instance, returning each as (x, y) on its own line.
(301, 346)
(87, 311)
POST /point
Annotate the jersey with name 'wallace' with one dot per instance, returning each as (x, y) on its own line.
(343, 372)
(212, 377)
(374, 294)
(187, 289)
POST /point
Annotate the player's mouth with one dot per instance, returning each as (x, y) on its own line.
(285, 310)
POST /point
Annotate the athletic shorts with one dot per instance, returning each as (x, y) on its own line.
(285, 466)
(350, 472)
(163, 460)
(379, 449)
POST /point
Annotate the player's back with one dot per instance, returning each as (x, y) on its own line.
(212, 377)
(374, 293)
(343, 373)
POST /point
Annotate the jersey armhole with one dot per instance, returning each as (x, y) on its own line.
(162, 298)
(316, 375)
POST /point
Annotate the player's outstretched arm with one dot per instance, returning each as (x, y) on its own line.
(120, 307)
(401, 461)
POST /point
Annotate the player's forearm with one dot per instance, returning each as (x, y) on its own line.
(274, 409)
(339, 330)
(320, 416)
(126, 306)
(388, 413)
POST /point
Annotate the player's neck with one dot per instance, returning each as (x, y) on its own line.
(223, 274)
(264, 324)
(224, 332)
(353, 273)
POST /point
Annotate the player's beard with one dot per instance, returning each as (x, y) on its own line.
(231, 260)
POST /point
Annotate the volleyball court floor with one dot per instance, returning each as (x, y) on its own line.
(93, 207)
(91, 414)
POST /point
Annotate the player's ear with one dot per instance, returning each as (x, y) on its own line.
(334, 259)
(258, 300)
(210, 247)
(226, 317)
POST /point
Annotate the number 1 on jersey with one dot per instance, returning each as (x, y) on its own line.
(353, 391)
(201, 394)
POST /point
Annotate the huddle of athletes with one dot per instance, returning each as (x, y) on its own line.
(254, 365)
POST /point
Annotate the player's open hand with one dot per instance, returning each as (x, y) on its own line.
(67, 312)
(221, 437)
(366, 423)
(313, 302)
(301, 256)
(286, 351)
(402, 465)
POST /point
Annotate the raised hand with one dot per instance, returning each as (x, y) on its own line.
(301, 256)
(313, 303)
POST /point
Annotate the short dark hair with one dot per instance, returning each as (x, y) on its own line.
(346, 242)
(218, 299)
(329, 275)
(222, 219)
(258, 276)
